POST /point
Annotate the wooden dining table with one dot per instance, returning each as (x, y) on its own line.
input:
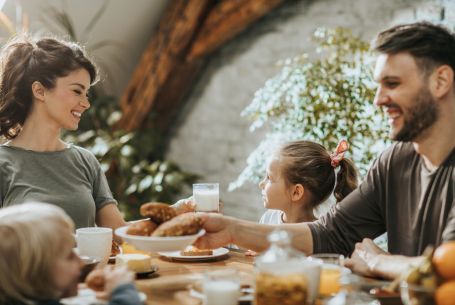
(172, 282)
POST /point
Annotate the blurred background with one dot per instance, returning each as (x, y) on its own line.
(201, 90)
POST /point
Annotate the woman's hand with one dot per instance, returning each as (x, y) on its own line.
(185, 205)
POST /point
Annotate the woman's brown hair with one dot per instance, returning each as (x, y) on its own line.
(309, 164)
(24, 60)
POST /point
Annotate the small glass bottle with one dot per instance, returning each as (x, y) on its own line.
(350, 293)
(284, 275)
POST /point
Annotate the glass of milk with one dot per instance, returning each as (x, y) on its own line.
(206, 196)
(221, 287)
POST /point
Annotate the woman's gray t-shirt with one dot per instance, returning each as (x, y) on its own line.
(71, 179)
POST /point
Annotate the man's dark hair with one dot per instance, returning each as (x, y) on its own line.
(431, 45)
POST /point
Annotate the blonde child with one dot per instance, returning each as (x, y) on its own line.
(38, 264)
(300, 176)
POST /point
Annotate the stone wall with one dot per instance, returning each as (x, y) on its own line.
(211, 138)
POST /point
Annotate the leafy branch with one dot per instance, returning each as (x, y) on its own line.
(323, 100)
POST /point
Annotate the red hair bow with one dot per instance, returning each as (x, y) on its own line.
(338, 155)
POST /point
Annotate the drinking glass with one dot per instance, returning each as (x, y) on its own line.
(206, 196)
(221, 287)
(332, 268)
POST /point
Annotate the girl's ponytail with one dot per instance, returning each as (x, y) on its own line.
(346, 180)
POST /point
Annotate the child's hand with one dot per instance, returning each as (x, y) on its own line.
(114, 277)
(185, 205)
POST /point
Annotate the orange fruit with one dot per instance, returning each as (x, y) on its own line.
(444, 260)
(445, 294)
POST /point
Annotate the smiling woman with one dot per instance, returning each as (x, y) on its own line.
(44, 88)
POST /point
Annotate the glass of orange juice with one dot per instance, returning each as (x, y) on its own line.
(330, 273)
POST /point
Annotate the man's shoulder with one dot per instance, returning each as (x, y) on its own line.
(398, 152)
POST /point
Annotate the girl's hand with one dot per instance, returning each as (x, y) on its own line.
(219, 231)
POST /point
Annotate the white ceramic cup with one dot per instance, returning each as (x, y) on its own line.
(221, 287)
(206, 196)
(94, 242)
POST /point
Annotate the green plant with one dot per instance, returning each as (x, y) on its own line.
(323, 100)
(132, 161)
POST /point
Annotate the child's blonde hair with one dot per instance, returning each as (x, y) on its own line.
(310, 164)
(32, 235)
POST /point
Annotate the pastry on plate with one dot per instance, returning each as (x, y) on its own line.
(184, 224)
(115, 248)
(158, 212)
(193, 251)
(141, 228)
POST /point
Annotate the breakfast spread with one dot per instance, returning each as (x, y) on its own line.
(281, 289)
(184, 224)
(142, 228)
(163, 222)
(157, 212)
(193, 251)
(115, 248)
(134, 262)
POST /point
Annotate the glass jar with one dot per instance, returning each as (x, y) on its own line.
(284, 275)
(351, 293)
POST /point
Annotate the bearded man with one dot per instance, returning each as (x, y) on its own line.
(409, 190)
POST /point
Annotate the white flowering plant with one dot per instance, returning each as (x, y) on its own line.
(323, 100)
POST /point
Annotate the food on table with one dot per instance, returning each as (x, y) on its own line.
(383, 293)
(444, 260)
(158, 212)
(445, 294)
(96, 280)
(444, 263)
(193, 251)
(421, 280)
(433, 280)
(134, 262)
(184, 224)
(291, 289)
(141, 228)
(115, 248)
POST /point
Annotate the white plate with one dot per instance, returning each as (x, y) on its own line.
(155, 244)
(87, 296)
(177, 256)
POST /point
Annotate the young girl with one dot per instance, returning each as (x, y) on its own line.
(38, 265)
(44, 85)
(300, 176)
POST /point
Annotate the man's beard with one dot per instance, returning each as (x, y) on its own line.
(419, 118)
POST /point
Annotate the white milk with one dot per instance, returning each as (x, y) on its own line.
(221, 292)
(206, 200)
